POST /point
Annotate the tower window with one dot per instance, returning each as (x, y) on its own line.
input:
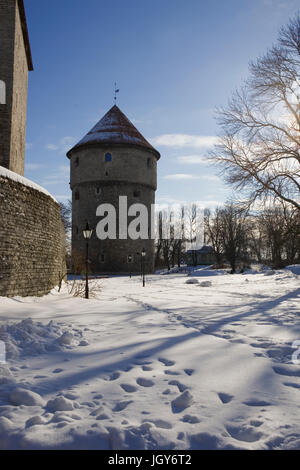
(108, 157)
(98, 191)
(149, 163)
(102, 258)
(136, 193)
(77, 161)
(77, 196)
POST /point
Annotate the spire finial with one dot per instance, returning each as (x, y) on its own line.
(116, 91)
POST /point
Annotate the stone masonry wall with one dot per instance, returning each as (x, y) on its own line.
(19, 101)
(32, 247)
(14, 72)
(7, 40)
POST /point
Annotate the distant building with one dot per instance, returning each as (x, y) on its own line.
(15, 62)
(112, 160)
(204, 255)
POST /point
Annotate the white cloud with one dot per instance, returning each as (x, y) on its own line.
(67, 143)
(184, 140)
(51, 147)
(211, 178)
(187, 176)
(62, 197)
(59, 177)
(165, 202)
(33, 166)
(193, 160)
(64, 145)
(181, 176)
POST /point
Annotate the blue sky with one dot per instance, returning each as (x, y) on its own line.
(174, 62)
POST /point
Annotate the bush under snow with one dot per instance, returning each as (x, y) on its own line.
(28, 338)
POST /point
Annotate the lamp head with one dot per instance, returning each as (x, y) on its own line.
(87, 233)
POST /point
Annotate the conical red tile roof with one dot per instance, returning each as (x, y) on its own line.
(114, 128)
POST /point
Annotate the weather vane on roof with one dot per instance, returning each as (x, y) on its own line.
(116, 91)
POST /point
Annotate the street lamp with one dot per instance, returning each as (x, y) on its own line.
(130, 261)
(87, 233)
(143, 265)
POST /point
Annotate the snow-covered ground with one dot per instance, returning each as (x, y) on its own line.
(206, 365)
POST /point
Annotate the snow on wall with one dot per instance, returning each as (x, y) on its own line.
(5, 173)
(32, 240)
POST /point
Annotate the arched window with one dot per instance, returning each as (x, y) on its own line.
(149, 163)
(77, 161)
(136, 193)
(2, 92)
(77, 196)
(108, 157)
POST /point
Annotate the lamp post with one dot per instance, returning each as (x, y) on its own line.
(143, 265)
(87, 233)
(130, 261)
(140, 254)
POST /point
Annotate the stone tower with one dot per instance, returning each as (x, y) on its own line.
(112, 160)
(15, 62)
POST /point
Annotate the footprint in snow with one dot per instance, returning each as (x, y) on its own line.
(147, 368)
(189, 371)
(225, 397)
(144, 382)
(256, 423)
(122, 405)
(244, 433)
(97, 412)
(181, 387)
(288, 371)
(57, 371)
(113, 376)
(71, 396)
(98, 397)
(171, 372)
(159, 423)
(182, 402)
(128, 388)
(166, 362)
(102, 417)
(291, 384)
(255, 402)
(190, 419)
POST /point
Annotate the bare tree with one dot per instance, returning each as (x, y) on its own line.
(164, 238)
(179, 241)
(234, 235)
(214, 233)
(66, 216)
(276, 231)
(194, 230)
(260, 144)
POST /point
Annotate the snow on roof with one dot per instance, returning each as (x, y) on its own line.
(116, 128)
(5, 173)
